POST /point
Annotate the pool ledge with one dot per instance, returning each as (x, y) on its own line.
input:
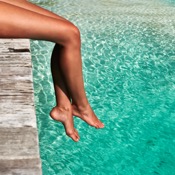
(19, 146)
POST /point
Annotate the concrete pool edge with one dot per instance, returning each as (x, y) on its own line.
(19, 145)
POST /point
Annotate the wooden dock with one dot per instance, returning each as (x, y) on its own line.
(19, 150)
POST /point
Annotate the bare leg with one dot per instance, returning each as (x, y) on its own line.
(7, 31)
(77, 109)
(32, 7)
(62, 111)
(59, 31)
(72, 73)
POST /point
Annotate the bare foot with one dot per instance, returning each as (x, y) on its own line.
(64, 115)
(88, 116)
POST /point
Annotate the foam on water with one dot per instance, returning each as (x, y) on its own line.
(128, 52)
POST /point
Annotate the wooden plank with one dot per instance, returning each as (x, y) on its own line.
(16, 99)
(5, 44)
(22, 148)
(15, 71)
(20, 171)
(19, 152)
(17, 115)
(15, 60)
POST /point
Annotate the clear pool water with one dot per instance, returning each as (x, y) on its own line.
(128, 52)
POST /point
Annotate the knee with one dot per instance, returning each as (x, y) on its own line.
(73, 37)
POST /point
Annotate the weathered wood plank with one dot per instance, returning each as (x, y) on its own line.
(20, 171)
(15, 60)
(14, 99)
(15, 71)
(23, 137)
(18, 115)
(19, 153)
(18, 149)
(5, 44)
(15, 88)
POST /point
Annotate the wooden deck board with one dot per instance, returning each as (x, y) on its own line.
(19, 152)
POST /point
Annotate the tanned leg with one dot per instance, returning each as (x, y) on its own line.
(77, 109)
(20, 23)
(25, 25)
(63, 105)
(32, 7)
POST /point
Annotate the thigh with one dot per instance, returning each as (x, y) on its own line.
(32, 7)
(22, 23)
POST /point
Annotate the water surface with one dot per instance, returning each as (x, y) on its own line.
(128, 52)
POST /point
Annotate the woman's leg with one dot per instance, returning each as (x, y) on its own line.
(84, 113)
(63, 106)
(32, 7)
(63, 110)
(23, 28)
(60, 31)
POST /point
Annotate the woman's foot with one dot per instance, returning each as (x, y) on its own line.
(87, 115)
(64, 115)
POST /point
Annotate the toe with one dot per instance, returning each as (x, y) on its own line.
(77, 135)
(74, 135)
(96, 125)
(99, 124)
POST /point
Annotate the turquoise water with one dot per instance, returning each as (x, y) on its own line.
(128, 52)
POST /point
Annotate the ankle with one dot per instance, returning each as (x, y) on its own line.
(63, 107)
(81, 107)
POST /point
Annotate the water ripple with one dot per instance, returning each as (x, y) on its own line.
(128, 64)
